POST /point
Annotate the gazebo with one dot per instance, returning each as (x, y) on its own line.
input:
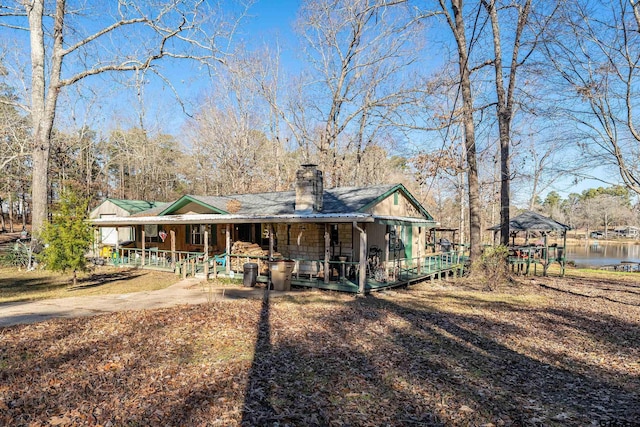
(527, 222)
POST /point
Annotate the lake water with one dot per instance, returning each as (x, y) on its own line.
(597, 254)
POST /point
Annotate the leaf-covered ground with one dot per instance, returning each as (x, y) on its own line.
(538, 352)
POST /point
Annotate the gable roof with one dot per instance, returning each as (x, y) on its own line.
(341, 200)
(532, 221)
(343, 204)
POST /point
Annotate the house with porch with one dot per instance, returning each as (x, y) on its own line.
(348, 238)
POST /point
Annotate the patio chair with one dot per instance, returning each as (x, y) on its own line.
(220, 259)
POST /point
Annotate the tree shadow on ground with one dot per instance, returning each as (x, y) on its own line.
(315, 376)
(377, 360)
(52, 282)
(101, 279)
(384, 361)
(503, 381)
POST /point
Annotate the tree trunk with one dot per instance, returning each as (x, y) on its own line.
(23, 211)
(504, 122)
(504, 106)
(10, 213)
(2, 216)
(473, 192)
(43, 104)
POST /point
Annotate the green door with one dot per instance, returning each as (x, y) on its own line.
(408, 241)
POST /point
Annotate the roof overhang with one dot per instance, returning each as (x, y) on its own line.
(394, 220)
(243, 219)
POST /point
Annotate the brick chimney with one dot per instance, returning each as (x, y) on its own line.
(308, 189)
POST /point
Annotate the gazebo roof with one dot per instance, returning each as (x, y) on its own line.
(531, 221)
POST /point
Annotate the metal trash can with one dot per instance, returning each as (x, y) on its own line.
(250, 274)
(281, 272)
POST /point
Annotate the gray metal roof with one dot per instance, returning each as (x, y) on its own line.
(344, 204)
(531, 221)
(340, 200)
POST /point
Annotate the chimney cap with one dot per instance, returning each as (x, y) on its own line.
(309, 165)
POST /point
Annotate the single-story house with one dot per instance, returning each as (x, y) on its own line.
(335, 234)
(628, 231)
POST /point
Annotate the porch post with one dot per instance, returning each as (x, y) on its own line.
(271, 245)
(271, 242)
(362, 280)
(117, 241)
(144, 238)
(564, 252)
(206, 253)
(228, 249)
(419, 269)
(327, 245)
(172, 235)
(546, 255)
(386, 255)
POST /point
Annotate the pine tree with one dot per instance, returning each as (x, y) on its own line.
(68, 236)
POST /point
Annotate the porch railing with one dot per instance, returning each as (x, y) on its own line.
(191, 263)
(153, 258)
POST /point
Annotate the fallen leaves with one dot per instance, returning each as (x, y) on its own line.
(436, 354)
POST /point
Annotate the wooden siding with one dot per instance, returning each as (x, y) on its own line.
(193, 208)
(395, 204)
(107, 208)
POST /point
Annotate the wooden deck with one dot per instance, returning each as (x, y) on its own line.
(395, 273)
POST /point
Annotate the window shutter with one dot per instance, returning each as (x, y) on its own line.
(187, 234)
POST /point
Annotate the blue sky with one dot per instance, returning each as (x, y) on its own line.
(269, 16)
(267, 21)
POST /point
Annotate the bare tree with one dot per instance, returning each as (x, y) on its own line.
(231, 132)
(133, 37)
(506, 96)
(597, 56)
(142, 166)
(359, 51)
(454, 14)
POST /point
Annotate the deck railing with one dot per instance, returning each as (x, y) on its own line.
(191, 263)
(153, 258)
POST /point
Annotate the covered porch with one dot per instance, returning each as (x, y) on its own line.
(344, 253)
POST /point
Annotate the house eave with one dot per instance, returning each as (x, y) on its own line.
(230, 219)
(240, 219)
(393, 220)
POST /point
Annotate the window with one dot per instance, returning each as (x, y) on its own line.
(197, 234)
(151, 233)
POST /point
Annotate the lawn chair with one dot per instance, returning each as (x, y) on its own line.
(220, 259)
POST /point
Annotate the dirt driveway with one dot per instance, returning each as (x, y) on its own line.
(188, 291)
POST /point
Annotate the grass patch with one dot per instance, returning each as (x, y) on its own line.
(16, 285)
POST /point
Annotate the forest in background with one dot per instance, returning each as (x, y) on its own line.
(479, 108)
